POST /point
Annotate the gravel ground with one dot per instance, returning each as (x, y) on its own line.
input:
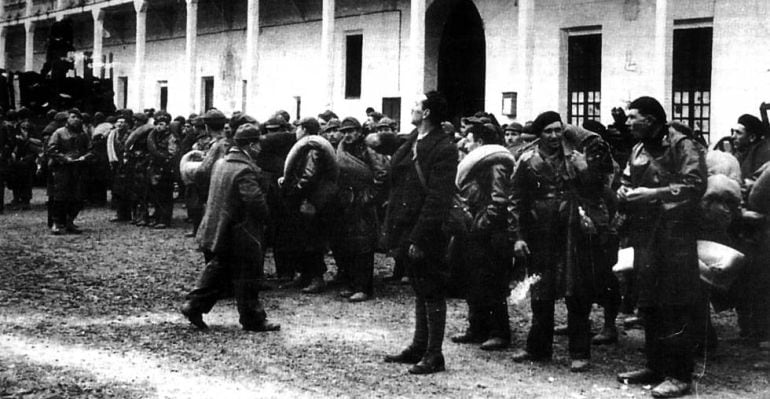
(94, 316)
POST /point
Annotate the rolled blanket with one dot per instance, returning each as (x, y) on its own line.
(480, 157)
(316, 142)
(722, 163)
(189, 164)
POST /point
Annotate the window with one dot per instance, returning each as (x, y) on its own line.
(163, 94)
(353, 62)
(208, 92)
(584, 78)
(122, 92)
(691, 100)
(391, 106)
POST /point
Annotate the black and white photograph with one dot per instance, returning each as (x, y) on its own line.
(384, 199)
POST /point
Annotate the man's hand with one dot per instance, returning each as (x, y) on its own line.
(641, 195)
(521, 249)
(415, 253)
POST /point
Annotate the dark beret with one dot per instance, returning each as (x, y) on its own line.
(543, 120)
(752, 124)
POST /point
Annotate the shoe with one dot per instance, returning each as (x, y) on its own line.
(189, 235)
(522, 355)
(608, 335)
(359, 297)
(429, 364)
(72, 229)
(195, 317)
(494, 344)
(410, 355)
(671, 388)
(560, 330)
(346, 293)
(151, 224)
(579, 365)
(118, 220)
(467, 338)
(160, 226)
(643, 376)
(316, 286)
(262, 327)
(56, 230)
(140, 223)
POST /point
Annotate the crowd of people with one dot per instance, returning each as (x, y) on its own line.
(462, 211)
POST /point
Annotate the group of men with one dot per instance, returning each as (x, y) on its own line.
(557, 198)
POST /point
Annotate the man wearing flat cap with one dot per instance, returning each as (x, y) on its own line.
(164, 148)
(361, 185)
(660, 190)
(231, 235)
(560, 220)
(69, 149)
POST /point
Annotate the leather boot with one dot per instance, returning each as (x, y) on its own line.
(429, 364)
(194, 316)
(671, 388)
(410, 355)
(433, 360)
(414, 352)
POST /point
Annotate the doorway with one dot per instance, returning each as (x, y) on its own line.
(459, 52)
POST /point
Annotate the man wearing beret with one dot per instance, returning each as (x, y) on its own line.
(752, 148)
(230, 236)
(660, 190)
(69, 148)
(560, 221)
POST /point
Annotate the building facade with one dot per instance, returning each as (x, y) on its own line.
(704, 59)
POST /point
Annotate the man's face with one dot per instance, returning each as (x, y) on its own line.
(350, 135)
(384, 129)
(640, 125)
(228, 130)
(511, 137)
(417, 113)
(299, 133)
(74, 121)
(121, 125)
(741, 137)
(161, 126)
(551, 135)
(472, 143)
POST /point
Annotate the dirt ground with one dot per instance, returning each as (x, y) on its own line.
(95, 316)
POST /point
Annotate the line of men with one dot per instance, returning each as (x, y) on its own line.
(555, 200)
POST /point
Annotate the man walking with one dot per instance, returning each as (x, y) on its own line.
(230, 236)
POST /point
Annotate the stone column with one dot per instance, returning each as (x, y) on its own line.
(662, 54)
(525, 56)
(327, 52)
(98, 65)
(252, 56)
(414, 69)
(191, 48)
(3, 32)
(141, 41)
(29, 46)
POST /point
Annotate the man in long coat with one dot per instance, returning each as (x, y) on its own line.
(423, 169)
(68, 149)
(230, 236)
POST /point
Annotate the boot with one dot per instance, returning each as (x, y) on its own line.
(415, 351)
(316, 286)
(194, 316)
(671, 388)
(433, 360)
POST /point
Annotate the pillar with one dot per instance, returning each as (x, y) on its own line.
(662, 55)
(29, 46)
(327, 52)
(3, 32)
(98, 65)
(525, 55)
(414, 69)
(252, 56)
(141, 41)
(191, 48)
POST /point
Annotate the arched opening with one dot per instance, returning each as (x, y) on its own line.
(456, 55)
